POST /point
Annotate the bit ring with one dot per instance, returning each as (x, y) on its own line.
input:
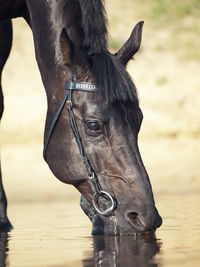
(107, 211)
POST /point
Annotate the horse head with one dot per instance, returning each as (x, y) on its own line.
(108, 121)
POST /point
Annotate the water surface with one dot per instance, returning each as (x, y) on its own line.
(58, 234)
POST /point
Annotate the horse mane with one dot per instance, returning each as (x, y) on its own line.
(94, 24)
(111, 78)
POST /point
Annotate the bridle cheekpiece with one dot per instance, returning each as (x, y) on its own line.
(99, 193)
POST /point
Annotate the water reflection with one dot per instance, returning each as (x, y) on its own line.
(3, 248)
(123, 251)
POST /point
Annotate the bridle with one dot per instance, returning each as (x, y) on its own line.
(99, 193)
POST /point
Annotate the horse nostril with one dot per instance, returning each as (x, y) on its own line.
(135, 220)
(141, 223)
(132, 216)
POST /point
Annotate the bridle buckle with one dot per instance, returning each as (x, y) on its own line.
(69, 103)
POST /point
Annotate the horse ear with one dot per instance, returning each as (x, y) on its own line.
(67, 47)
(129, 49)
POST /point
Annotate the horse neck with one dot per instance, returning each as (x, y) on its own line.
(48, 18)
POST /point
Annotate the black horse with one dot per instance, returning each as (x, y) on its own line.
(93, 115)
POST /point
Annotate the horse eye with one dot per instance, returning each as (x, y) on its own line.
(93, 126)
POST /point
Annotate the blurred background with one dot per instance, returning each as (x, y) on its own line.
(166, 73)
